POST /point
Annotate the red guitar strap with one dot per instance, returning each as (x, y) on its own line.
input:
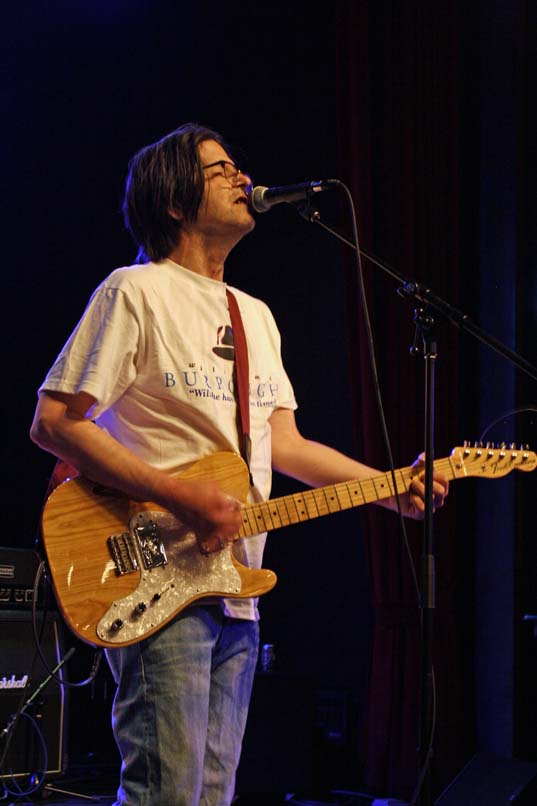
(62, 471)
(242, 378)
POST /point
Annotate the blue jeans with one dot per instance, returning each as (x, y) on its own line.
(180, 709)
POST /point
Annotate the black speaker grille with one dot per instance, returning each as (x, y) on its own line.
(38, 741)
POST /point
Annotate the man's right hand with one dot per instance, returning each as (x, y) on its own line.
(213, 515)
(62, 426)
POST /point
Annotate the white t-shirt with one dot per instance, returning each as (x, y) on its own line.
(154, 348)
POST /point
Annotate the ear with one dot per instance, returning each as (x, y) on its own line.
(177, 214)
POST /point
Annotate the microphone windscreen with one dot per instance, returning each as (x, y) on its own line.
(256, 199)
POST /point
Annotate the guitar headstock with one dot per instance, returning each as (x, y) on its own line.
(490, 461)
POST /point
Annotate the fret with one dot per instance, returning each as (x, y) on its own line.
(403, 480)
(251, 519)
(343, 496)
(369, 491)
(270, 515)
(292, 508)
(321, 499)
(300, 505)
(311, 505)
(356, 493)
(283, 513)
(260, 523)
(389, 482)
(381, 487)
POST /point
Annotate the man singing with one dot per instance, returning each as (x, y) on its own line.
(143, 388)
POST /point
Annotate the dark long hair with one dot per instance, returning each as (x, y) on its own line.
(166, 175)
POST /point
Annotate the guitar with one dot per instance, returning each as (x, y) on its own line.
(121, 569)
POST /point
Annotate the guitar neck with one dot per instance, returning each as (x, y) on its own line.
(304, 506)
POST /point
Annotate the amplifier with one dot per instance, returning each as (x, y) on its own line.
(38, 740)
(18, 568)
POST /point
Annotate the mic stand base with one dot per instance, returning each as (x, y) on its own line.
(58, 791)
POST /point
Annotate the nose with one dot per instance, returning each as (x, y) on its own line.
(243, 180)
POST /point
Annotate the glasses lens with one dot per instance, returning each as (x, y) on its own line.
(231, 172)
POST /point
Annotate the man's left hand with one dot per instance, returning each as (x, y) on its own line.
(413, 503)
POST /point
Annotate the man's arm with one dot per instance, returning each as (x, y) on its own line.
(61, 426)
(318, 465)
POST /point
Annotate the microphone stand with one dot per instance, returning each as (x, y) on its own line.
(424, 322)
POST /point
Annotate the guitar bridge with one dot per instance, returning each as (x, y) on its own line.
(123, 553)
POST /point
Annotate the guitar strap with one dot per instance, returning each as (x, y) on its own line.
(242, 379)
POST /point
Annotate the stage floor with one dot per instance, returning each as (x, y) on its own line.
(98, 787)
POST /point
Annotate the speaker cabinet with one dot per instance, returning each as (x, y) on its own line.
(37, 742)
(489, 780)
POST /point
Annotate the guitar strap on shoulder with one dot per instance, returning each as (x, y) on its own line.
(242, 377)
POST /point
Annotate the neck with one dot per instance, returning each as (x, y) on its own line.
(202, 256)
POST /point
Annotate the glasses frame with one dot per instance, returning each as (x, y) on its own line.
(223, 163)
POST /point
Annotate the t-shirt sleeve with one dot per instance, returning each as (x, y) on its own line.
(285, 397)
(101, 354)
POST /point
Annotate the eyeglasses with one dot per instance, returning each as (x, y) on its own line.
(230, 171)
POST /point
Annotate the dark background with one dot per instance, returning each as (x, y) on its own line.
(427, 114)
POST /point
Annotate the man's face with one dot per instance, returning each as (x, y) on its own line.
(224, 207)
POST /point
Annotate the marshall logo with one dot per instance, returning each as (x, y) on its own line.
(13, 682)
(18, 596)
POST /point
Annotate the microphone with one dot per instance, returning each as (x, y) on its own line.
(262, 199)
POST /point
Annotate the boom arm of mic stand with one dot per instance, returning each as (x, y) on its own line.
(409, 288)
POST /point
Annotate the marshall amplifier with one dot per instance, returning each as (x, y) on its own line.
(18, 569)
(37, 741)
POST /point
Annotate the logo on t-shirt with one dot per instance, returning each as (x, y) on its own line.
(225, 346)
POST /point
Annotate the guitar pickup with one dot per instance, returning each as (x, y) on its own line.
(151, 546)
(141, 544)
